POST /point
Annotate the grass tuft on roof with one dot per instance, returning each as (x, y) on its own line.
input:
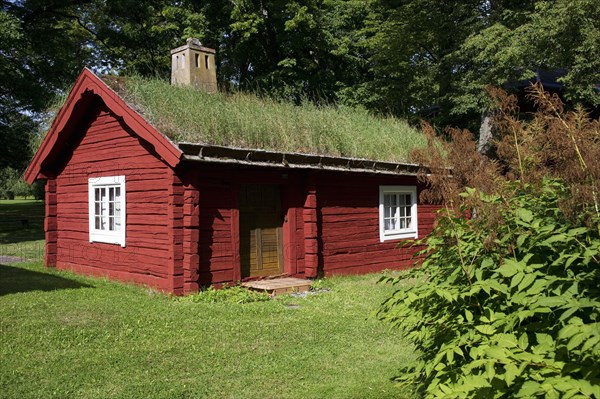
(186, 114)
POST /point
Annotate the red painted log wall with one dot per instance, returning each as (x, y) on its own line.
(348, 207)
(332, 221)
(153, 251)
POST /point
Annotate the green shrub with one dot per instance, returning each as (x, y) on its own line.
(505, 308)
(233, 294)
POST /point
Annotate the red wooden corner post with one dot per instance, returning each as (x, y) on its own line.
(311, 231)
(235, 232)
(175, 231)
(50, 224)
(191, 237)
(289, 230)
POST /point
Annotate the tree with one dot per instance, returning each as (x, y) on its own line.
(43, 48)
(294, 49)
(409, 58)
(547, 35)
(434, 59)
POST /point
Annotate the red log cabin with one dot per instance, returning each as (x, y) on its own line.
(129, 199)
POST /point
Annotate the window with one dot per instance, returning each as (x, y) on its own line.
(107, 217)
(206, 64)
(397, 212)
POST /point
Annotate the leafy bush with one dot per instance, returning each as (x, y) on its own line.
(507, 303)
(510, 311)
(233, 294)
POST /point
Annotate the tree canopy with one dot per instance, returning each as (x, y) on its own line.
(408, 58)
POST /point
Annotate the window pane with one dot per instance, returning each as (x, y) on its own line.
(111, 223)
(96, 194)
(97, 223)
(117, 223)
(118, 193)
(111, 193)
(408, 211)
(390, 224)
(387, 212)
(387, 200)
(111, 209)
(408, 222)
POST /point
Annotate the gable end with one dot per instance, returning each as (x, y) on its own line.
(84, 95)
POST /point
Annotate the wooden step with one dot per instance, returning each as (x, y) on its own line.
(279, 286)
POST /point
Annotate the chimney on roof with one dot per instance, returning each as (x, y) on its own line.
(194, 65)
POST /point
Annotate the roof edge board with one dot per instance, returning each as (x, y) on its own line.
(257, 157)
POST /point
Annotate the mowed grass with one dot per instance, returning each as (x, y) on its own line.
(22, 239)
(68, 336)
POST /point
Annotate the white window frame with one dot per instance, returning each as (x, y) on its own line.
(410, 232)
(107, 236)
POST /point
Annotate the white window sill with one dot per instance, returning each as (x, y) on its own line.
(398, 236)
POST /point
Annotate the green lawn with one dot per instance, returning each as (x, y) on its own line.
(68, 336)
(64, 335)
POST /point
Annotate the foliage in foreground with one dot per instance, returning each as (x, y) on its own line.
(507, 302)
(519, 320)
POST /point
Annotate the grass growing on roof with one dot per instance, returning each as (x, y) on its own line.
(245, 120)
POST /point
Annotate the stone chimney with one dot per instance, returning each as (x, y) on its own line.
(193, 64)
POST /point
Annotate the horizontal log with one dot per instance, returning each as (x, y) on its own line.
(352, 234)
(157, 281)
(350, 246)
(351, 260)
(343, 224)
(217, 277)
(113, 256)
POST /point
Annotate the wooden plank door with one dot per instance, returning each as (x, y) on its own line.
(261, 231)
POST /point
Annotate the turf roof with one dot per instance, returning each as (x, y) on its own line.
(185, 114)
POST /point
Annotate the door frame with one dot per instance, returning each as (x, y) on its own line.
(291, 195)
(262, 204)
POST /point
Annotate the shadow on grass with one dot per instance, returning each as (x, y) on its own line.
(16, 279)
